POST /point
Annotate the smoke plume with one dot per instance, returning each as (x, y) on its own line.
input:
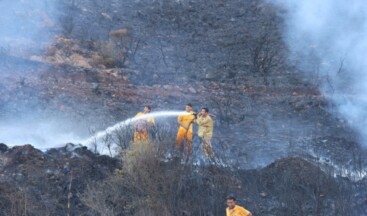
(327, 39)
(26, 28)
(25, 24)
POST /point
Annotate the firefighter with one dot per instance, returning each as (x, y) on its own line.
(185, 129)
(141, 126)
(205, 131)
(235, 210)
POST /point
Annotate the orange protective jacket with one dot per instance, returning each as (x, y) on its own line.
(185, 120)
(237, 211)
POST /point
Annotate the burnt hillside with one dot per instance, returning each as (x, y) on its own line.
(94, 63)
(227, 56)
(74, 181)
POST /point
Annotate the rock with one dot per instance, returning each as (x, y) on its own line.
(119, 33)
(79, 61)
(192, 90)
(3, 147)
(36, 58)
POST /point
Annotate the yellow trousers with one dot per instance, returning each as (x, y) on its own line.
(187, 134)
(141, 136)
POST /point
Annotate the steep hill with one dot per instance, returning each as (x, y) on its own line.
(95, 63)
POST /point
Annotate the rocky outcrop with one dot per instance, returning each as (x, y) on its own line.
(57, 182)
(38, 183)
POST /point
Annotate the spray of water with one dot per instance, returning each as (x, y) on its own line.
(128, 122)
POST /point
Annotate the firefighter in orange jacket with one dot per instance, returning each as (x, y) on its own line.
(235, 210)
(185, 129)
(141, 126)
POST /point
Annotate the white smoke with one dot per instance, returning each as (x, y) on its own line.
(42, 132)
(327, 39)
(24, 24)
(26, 28)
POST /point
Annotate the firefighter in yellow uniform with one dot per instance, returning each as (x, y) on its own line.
(235, 210)
(185, 129)
(205, 131)
(141, 126)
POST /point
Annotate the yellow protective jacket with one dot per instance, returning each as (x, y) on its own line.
(185, 120)
(238, 211)
(205, 126)
(142, 124)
